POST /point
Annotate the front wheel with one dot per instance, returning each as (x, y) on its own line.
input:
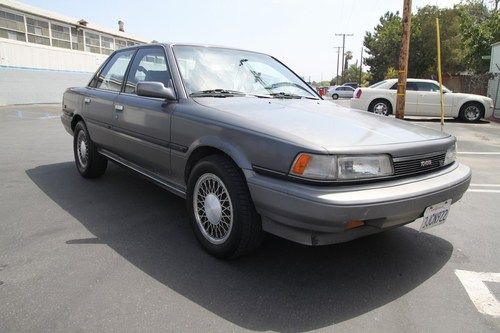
(335, 96)
(88, 161)
(221, 210)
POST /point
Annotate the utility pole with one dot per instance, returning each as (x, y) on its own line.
(360, 66)
(403, 61)
(338, 57)
(343, 53)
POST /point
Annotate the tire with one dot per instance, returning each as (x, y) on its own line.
(335, 96)
(381, 107)
(89, 162)
(222, 214)
(471, 112)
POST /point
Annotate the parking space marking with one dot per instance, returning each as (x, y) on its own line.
(478, 152)
(480, 295)
(482, 191)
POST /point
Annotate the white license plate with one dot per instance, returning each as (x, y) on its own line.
(435, 214)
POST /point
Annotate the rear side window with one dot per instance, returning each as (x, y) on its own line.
(149, 65)
(409, 86)
(112, 75)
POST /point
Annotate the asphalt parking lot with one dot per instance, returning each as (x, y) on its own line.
(117, 253)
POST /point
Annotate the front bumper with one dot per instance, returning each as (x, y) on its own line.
(316, 215)
(66, 121)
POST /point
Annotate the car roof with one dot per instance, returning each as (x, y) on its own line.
(171, 44)
(412, 80)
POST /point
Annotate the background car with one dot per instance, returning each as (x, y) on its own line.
(341, 92)
(354, 85)
(422, 99)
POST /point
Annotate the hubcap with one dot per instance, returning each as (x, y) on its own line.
(213, 209)
(472, 112)
(380, 108)
(82, 149)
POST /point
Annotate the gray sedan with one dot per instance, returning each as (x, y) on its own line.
(253, 149)
(341, 92)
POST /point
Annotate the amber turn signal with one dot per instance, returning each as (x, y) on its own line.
(301, 163)
(353, 224)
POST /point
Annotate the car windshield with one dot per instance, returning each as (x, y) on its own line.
(216, 71)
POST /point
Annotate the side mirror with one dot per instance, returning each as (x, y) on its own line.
(155, 89)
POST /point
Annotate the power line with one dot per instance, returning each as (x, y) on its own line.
(343, 51)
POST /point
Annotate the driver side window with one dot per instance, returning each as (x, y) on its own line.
(149, 65)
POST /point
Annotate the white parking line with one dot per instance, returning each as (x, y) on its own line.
(483, 191)
(478, 152)
(480, 295)
(486, 185)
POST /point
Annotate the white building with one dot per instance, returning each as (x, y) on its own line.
(494, 83)
(42, 53)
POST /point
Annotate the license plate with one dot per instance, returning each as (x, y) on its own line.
(435, 214)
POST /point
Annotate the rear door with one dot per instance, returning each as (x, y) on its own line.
(142, 124)
(100, 95)
(411, 98)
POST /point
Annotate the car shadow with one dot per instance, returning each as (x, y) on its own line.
(446, 120)
(282, 287)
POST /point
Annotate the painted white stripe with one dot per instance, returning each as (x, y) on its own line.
(486, 185)
(483, 191)
(480, 295)
(479, 152)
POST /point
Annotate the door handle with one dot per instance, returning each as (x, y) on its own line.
(119, 107)
(87, 100)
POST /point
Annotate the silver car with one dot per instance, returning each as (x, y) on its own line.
(253, 149)
(341, 92)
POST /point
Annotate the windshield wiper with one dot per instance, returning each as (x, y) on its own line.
(289, 95)
(217, 93)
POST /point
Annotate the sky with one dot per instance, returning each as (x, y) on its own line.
(301, 33)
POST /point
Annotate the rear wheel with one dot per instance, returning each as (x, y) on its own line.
(381, 107)
(88, 161)
(222, 213)
(471, 112)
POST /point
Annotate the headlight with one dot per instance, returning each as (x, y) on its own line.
(342, 167)
(451, 154)
(355, 167)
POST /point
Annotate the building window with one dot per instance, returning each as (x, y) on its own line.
(38, 31)
(60, 36)
(77, 39)
(131, 43)
(107, 45)
(120, 43)
(92, 43)
(12, 26)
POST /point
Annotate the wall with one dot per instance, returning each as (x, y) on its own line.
(31, 73)
(494, 83)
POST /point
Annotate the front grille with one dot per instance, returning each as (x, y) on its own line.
(404, 166)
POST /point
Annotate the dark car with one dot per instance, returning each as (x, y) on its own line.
(252, 148)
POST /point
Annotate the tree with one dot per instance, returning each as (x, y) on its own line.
(479, 27)
(383, 45)
(351, 74)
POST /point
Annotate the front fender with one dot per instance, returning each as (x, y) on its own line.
(229, 148)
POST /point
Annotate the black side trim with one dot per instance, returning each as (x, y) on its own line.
(178, 147)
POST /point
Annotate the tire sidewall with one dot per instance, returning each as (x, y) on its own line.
(465, 106)
(80, 126)
(387, 105)
(230, 245)
(335, 96)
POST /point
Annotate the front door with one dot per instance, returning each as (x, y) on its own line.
(100, 95)
(429, 100)
(142, 124)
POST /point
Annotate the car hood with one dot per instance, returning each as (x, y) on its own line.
(316, 122)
